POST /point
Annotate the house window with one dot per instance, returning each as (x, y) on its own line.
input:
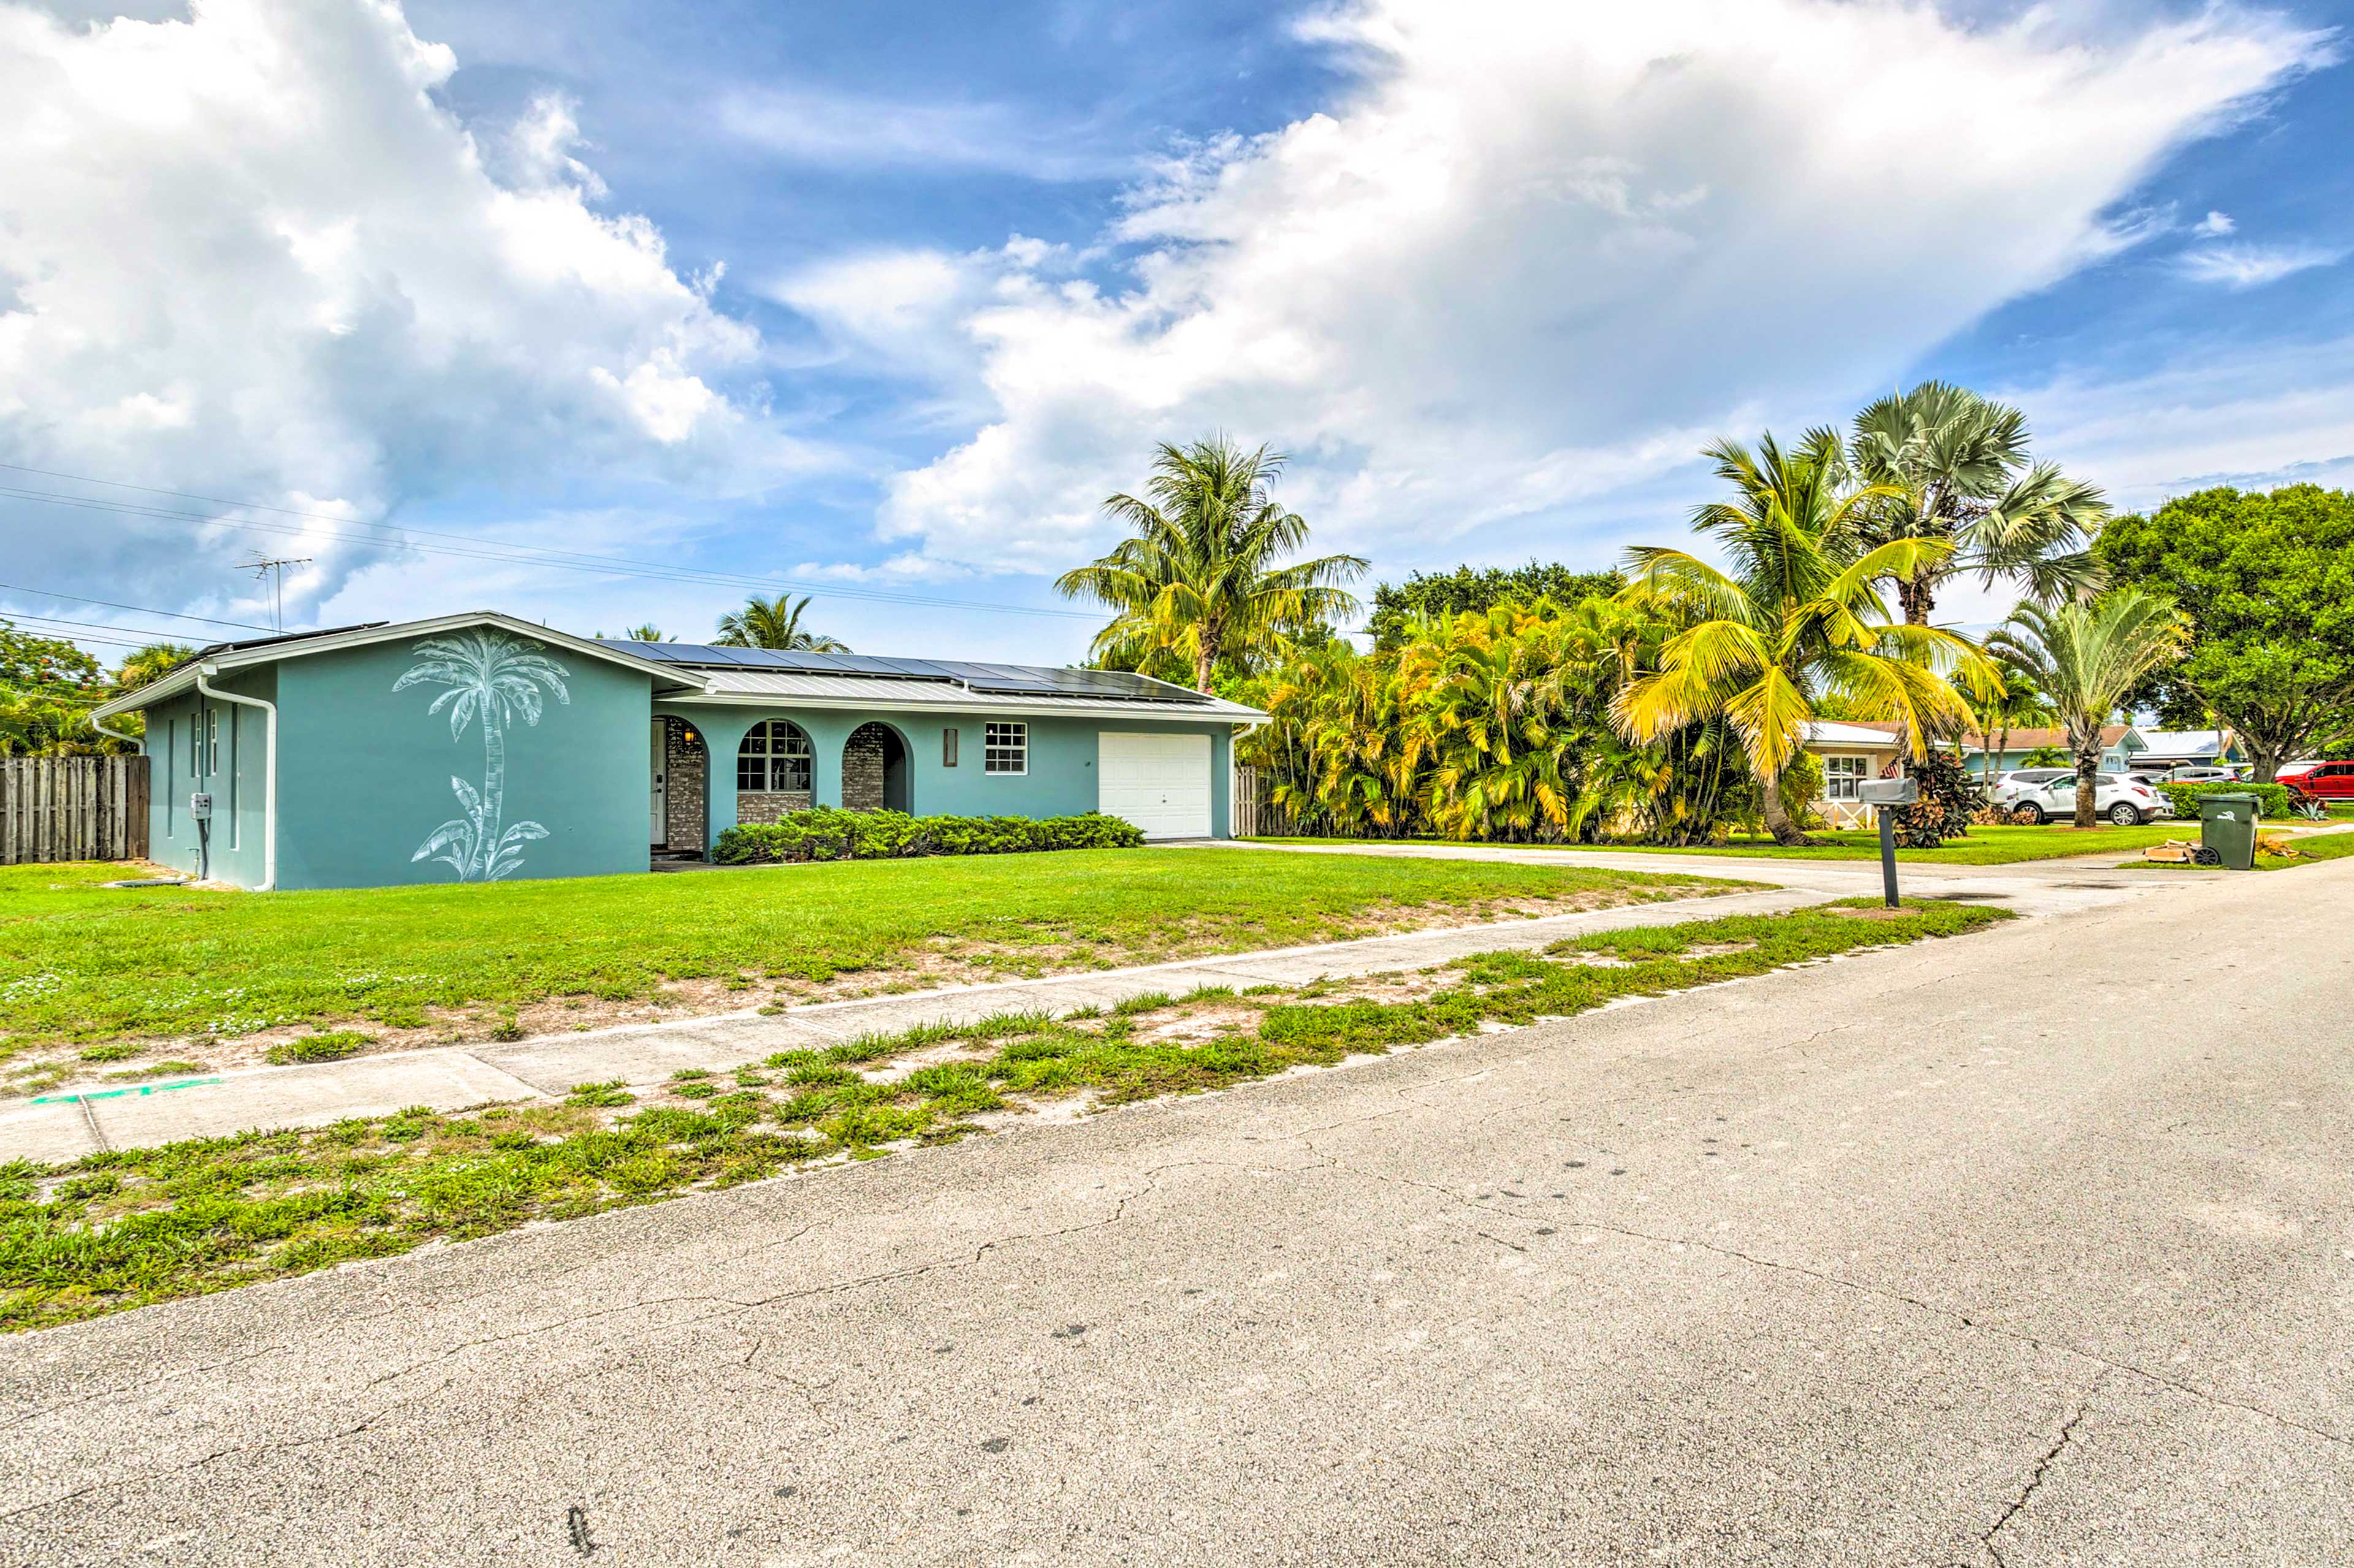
(1005, 748)
(774, 759)
(1844, 777)
(948, 748)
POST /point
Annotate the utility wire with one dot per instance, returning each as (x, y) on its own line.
(140, 608)
(527, 555)
(95, 626)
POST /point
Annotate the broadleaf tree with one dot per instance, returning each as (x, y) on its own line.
(2265, 582)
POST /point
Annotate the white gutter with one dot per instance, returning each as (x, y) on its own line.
(118, 735)
(269, 770)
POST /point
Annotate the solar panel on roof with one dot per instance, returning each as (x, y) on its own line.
(998, 680)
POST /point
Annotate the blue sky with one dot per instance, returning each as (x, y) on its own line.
(882, 299)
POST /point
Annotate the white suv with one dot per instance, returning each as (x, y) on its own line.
(2042, 794)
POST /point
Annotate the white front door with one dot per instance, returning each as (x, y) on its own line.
(659, 824)
(1160, 783)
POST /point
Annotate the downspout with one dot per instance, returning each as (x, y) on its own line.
(269, 770)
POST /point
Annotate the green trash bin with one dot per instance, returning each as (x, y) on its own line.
(2227, 830)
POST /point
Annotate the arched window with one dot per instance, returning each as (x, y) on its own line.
(773, 759)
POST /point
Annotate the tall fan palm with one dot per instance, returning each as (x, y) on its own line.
(1797, 617)
(2088, 655)
(1198, 574)
(775, 623)
(1956, 469)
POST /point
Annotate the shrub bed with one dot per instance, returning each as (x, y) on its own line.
(2184, 798)
(827, 833)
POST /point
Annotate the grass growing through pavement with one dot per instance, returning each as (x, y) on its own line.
(2002, 845)
(86, 963)
(131, 1226)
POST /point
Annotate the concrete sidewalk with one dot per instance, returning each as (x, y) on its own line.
(67, 1126)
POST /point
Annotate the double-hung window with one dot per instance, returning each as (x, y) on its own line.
(1844, 777)
(1005, 748)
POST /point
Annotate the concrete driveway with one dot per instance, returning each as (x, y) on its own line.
(2029, 1248)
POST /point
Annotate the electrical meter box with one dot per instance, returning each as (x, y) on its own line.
(200, 807)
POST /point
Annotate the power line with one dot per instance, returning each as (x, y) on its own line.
(147, 632)
(140, 609)
(527, 555)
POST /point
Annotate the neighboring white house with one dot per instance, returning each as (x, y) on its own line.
(1851, 753)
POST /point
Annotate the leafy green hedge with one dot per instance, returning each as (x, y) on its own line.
(2184, 798)
(827, 833)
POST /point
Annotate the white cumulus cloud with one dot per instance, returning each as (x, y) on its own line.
(248, 254)
(1538, 253)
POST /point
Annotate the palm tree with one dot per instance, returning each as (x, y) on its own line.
(150, 663)
(1798, 616)
(1956, 469)
(649, 632)
(494, 678)
(2088, 656)
(2020, 702)
(774, 623)
(1197, 574)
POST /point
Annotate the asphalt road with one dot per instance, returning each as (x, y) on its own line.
(2030, 1247)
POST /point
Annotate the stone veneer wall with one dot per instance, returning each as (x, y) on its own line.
(684, 765)
(768, 806)
(862, 768)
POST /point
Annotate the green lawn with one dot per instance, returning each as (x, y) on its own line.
(130, 1226)
(1984, 846)
(90, 964)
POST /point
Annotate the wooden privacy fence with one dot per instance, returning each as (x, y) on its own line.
(1253, 816)
(72, 808)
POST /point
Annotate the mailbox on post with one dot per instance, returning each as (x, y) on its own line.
(1889, 796)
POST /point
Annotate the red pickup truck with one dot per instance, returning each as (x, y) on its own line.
(2321, 781)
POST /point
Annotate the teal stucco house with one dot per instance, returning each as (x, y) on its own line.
(476, 747)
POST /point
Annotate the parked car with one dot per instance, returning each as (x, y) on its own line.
(2189, 775)
(2041, 794)
(2320, 781)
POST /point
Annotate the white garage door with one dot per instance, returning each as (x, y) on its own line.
(1160, 783)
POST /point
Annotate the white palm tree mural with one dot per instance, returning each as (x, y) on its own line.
(494, 678)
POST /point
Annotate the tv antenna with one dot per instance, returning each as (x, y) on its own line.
(271, 569)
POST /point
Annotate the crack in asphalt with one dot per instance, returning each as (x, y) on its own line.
(809, 1396)
(1955, 1316)
(2035, 1477)
(732, 1307)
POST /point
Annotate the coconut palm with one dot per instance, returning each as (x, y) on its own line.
(648, 632)
(1955, 467)
(1198, 574)
(774, 623)
(494, 679)
(1798, 616)
(2088, 656)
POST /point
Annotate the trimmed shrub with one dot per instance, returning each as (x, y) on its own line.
(1950, 796)
(2184, 798)
(828, 832)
